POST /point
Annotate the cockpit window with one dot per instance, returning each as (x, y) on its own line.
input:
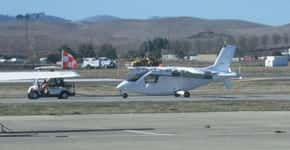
(134, 77)
(176, 73)
(151, 78)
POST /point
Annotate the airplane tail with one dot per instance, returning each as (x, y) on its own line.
(224, 59)
(222, 65)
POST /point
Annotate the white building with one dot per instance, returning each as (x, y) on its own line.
(276, 61)
(167, 57)
(190, 58)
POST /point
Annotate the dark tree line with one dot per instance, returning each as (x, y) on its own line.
(153, 48)
(156, 47)
(184, 47)
(248, 43)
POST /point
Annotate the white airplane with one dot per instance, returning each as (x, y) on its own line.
(179, 80)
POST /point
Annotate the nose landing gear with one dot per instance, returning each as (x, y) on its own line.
(125, 95)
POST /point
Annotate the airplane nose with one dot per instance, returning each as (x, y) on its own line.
(122, 85)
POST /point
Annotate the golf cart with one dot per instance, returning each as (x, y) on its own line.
(51, 88)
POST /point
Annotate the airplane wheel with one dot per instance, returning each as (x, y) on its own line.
(125, 95)
(186, 94)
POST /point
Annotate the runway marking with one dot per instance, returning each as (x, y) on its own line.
(148, 133)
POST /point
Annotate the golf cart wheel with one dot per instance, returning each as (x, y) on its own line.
(89, 67)
(63, 95)
(125, 95)
(33, 95)
(187, 94)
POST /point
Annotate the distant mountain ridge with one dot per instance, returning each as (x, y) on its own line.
(100, 18)
(108, 18)
(47, 18)
(41, 17)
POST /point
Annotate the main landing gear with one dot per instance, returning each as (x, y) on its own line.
(185, 94)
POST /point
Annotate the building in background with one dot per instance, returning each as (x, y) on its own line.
(169, 57)
(276, 61)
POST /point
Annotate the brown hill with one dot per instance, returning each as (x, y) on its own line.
(21, 37)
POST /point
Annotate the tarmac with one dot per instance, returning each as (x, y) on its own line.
(174, 131)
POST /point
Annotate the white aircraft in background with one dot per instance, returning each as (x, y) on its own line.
(68, 62)
(179, 80)
(31, 75)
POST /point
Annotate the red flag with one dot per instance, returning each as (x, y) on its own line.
(68, 61)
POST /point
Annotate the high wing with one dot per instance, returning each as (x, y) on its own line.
(7, 76)
(173, 71)
(185, 73)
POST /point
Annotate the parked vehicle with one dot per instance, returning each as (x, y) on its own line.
(101, 62)
(146, 61)
(51, 88)
(90, 63)
(107, 63)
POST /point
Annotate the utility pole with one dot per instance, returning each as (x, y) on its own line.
(27, 43)
(30, 43)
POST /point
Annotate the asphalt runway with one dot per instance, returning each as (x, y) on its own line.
(118, 98)
(202, 131)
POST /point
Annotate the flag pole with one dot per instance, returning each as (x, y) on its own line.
(62, 59)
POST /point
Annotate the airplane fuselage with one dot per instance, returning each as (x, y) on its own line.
(162, 83)
(165, 86)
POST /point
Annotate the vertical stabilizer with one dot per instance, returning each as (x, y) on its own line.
(224, 59)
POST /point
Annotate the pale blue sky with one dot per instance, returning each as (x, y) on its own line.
(273, 12)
